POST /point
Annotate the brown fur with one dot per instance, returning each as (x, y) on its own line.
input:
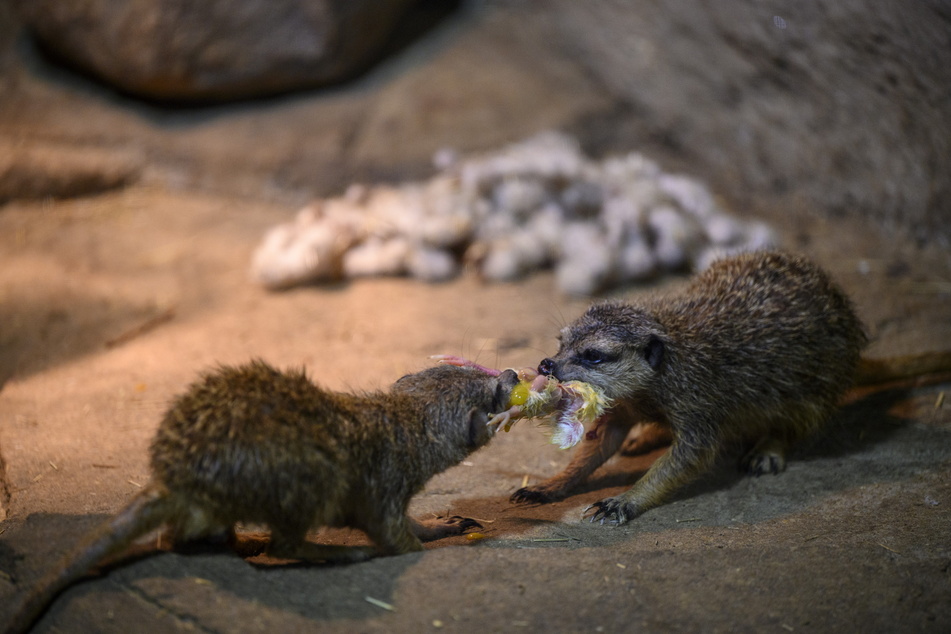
(758, 349)
(252, 444)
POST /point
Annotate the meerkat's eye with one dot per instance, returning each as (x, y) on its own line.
(592, 357)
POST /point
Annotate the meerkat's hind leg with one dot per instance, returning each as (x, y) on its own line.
(439, 527)
(777, 432)
(778, 428)
(330, 553)
(646, 437)
(249, 543)
(196, 528)
(196, 522)
(768, 455)
(289, 543)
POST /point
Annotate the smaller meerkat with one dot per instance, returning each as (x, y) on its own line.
(757, 350)
(254, 444)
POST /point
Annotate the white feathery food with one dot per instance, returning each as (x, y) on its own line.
(541, 203)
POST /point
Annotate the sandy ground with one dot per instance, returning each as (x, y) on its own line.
(854, 536)
(111, 304)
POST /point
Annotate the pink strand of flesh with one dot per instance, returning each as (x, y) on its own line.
(525, 374)
(462, 362)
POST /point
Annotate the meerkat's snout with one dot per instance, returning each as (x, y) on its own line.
(548, 367)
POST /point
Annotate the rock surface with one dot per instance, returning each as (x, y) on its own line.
(214, 49)
(828, 108)
(852, 537)
(840, 107)
(41, 170)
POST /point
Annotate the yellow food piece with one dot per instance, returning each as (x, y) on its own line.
(569, 406)
(594, 402)
(520, 393)
(476, 536)
(542, 403)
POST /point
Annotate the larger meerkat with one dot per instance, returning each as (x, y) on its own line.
(253, 444)
(757, 350)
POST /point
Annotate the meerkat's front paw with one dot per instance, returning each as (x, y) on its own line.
(439, 527)
(611, 510)
(457, 525)
(529, 495)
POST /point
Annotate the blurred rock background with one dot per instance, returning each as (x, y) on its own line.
(831, 107)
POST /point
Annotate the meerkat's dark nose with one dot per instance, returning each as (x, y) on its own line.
(547, 367)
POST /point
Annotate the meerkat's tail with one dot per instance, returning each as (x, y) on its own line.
(146, 512)
(933, 366)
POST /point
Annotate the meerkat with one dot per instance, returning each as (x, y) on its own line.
(258, 445)
(756, 350)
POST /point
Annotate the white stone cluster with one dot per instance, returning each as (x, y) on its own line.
(535, 204)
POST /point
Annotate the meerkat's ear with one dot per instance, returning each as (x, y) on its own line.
(654, 352)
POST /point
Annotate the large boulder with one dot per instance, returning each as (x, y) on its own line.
(841, 106)
(214, 49)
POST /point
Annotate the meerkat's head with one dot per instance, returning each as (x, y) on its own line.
(617, 347)
(462, 399)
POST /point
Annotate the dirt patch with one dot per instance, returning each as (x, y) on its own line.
(852, 535)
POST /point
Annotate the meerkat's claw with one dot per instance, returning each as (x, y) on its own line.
(462, 524)
(608, 510)
(441, 526)
(529, 495)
